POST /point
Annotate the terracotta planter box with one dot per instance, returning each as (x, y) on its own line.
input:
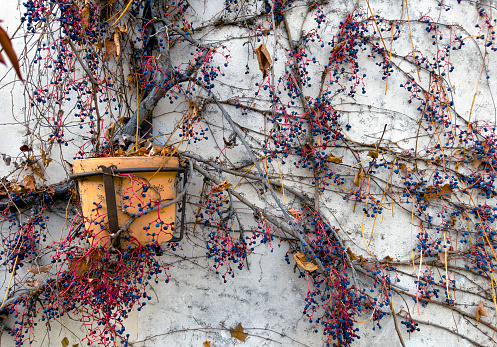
(116, 191)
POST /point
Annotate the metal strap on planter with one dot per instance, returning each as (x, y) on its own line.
(108, 174)
(110, 197)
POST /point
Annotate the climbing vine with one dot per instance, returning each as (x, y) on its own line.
(346, 118)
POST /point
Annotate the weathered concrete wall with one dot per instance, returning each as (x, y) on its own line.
(267, 297)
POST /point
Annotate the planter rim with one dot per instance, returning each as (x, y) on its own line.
(91, 166)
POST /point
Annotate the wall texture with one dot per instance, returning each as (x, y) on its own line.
(267, 295)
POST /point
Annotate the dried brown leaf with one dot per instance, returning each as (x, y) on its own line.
(119, 152)
(351, 254)
(155, 150)
(359, 175)
(32, 283)
(441, 256)
(373, 154)
(477, 162)
(301, 261)
(111, 130)
(337, 47)
(117, 43)
(294, 213)
(110, 49)
(332, 159)
(29, 182)
(435, 191)
(85, 12)
(207, 344)
(387, 259)
(65, 342)
(40, 269)
(238, 333)
(222, 186)
(480, 311)
(264, 59)
(7, 47)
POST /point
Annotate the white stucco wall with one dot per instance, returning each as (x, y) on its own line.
(268, 297)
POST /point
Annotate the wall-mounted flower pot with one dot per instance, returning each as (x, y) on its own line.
(130, 196)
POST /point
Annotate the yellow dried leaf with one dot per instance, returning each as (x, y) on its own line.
(65, 342)
(141, 152)
(264, 59)
(155, 150)
(39, 269)
(207, 344)
(332, 159)
(373, 154)
(359, 175)
(122, 28)
(301, 261)
(338, 47)
(441, 256)
(222, 186)
(238, 333)
(86, 16)
(480, 311)
(387, 259)
(294, 213)
(351, 254)
(33, 283)
(111, 130)
(29, 182)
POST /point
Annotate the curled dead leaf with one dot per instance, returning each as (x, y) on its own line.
(117, 43)
(222, 186)
(238, 333)
(32, 283)
(264, 59)
(333, 159)
(358, 176)
(480, 311)
(373, 154)
(441, 256)
(207, 344)
(477, 162)
(29, 182)
(40, 269)
(435, 191)
(294, 213)
(110, 49)
(387, 259)
(351, 254)
(85, 12)
(7, 47)
(111, 130)
(338, 47)
(301, 261)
